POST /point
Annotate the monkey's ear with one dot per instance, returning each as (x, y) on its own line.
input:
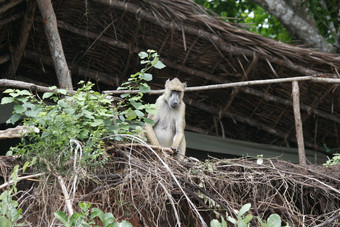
(167, 81)
(184, 85)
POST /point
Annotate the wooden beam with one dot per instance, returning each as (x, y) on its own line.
(298, 122)
(23, 37)
(51, 30)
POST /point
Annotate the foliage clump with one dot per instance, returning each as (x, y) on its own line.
(73, 125)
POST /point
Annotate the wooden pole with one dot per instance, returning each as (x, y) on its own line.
(24, 34)
(54, 42)
(298, 122)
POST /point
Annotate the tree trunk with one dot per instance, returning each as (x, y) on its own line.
(54, 42)
(295, 24)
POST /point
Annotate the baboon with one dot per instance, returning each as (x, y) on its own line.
(169, 123)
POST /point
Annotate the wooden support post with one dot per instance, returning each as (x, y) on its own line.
(298, 122)
(24, 34)
(54, 42)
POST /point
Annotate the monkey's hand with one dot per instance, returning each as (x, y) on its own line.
(174, 150)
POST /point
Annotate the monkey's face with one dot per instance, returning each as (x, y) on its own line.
(175, 99)
(174, 91)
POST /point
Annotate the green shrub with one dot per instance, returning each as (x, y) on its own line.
(72, 126)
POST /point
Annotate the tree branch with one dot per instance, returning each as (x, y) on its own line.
(17, 132)
(21, 178)
(24, 85)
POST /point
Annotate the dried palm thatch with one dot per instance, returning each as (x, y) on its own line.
(148, 187)
(101, 39)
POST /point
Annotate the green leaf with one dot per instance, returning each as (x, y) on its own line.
(144, 88)
(61, 216)
(151, 110)
(224, 223)
(244, 209)
(19, 109)
(47, 95)
(149, 121)
(6, 100)
(97, 122)
(125, 95)
(143, 55)
(142, 62)
(159, 65)
(147, 76)
(108, 219)
(248, 218)
(135, 104)
(62, 91)
(24, 92)
(52, 87)
(232, 220)
(139, 113)
(32, 113)
(241, 223)
(25, 166)
(215, 223)
(274, 220)
(14, 118)
(8, 91)
(125, 224)
(4, 222)
(130, 115)
(85, 206)
(96, 212)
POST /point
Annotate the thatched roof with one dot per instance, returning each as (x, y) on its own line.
(101, 39)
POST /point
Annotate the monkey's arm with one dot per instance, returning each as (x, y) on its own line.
(150, 133)
(180, 126)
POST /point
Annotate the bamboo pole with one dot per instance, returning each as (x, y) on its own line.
(51, 30)
(239, 84)
(298, 122)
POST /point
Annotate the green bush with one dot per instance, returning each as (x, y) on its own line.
(72, 126)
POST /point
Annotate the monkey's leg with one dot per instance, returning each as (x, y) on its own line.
(181, 150)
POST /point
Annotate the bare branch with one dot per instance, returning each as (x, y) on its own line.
(17, 132)
(21, 178)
